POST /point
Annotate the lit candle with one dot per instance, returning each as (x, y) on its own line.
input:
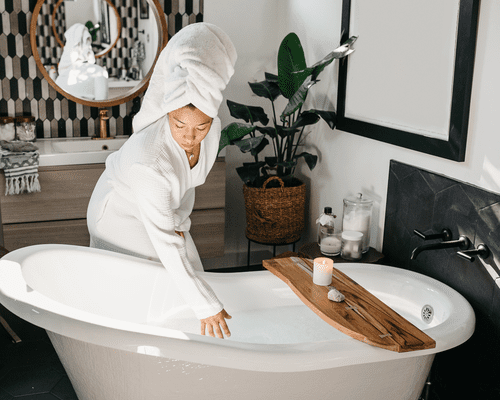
(323, 269)
(330, 245)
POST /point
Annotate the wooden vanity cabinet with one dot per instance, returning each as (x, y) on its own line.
(57, 214)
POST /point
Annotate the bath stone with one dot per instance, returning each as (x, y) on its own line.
(335, 295)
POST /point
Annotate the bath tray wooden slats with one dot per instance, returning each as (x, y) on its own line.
(361, 315)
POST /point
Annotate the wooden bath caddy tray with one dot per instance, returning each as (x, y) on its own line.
(361, 315)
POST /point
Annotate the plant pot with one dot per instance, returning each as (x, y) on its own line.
(275, 215)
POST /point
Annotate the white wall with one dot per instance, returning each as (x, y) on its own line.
(349, 164)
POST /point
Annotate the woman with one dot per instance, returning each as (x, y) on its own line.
(79, 75)
(142, 202)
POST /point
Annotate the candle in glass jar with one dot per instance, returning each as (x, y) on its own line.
(322, 273)
(330, 245)
(358, 221)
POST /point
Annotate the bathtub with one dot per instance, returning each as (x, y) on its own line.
(122, 331)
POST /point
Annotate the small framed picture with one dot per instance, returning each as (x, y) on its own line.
(144, 9)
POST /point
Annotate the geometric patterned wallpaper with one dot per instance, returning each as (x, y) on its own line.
(24, 90)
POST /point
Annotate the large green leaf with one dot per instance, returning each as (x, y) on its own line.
(250, 114)
(269, 90)
(291, 59)
(297, 99)
(285, 132)
(271, 161)
(311, 159)
(250, 172)
(232, 132)
(330, 117)
(340, 52)
(271, 77)
(261, 146)
(267, 130)
(249, 144)
(306, 118)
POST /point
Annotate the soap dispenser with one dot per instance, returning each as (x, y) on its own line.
(328, 241)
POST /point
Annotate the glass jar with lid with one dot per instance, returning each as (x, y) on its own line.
(25, 129)
(357, 217)
(7, 129)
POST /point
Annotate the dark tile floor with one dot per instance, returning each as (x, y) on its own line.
(30, 370)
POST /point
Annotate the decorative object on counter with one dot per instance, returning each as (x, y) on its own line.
(293, 81)
(322, 273)
(311, 250)
(352, 245)
(25, 128)
(275, 215)
(19, 161)
(7, 128)
(328, 240)
(103, 125)
(335, 295)
(357, 217)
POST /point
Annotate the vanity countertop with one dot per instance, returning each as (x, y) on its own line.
(70, 151)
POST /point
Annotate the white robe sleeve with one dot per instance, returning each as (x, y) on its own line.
(154, 193)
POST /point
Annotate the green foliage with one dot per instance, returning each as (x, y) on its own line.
(293, 81)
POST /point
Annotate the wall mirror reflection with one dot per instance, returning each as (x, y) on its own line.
(97, 52)
(409, 81)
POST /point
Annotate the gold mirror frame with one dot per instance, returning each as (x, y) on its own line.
(118, 27)
(140, 88)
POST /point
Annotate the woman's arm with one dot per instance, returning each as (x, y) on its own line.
(154, 193)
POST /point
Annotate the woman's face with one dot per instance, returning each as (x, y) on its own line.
(189, 126)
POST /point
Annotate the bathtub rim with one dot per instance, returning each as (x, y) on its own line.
(64, 320)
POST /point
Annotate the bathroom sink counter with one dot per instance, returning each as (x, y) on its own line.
(68, 171)
(73, 151)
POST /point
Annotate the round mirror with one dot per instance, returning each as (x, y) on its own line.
(109, 47)
(102, 21)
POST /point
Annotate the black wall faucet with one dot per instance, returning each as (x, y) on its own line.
(462, 242)
(482, 251)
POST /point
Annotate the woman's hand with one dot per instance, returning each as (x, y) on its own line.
(215, 322)
(181, 234)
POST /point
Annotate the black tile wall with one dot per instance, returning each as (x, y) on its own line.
(429, 202)
(24, 91)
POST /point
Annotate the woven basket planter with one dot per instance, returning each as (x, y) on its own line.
(275, 215)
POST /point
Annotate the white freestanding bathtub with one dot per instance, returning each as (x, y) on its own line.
(122, 331)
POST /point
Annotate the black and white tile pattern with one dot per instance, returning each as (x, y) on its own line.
(24, 91)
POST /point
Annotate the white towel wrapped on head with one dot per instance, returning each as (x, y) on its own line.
(77, 49)
(194, 68)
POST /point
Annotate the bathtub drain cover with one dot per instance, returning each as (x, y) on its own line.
(427, 313)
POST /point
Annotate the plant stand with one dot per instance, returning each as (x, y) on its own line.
(268, 244)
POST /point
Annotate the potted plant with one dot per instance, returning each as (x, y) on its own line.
(274, 197)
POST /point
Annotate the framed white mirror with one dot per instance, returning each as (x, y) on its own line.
(99, 53)
(409, 81)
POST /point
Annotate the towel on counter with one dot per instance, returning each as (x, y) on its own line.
(19, 161)
(195, 68)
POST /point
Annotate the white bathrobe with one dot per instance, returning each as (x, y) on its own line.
(146, 192)
(79, 75)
